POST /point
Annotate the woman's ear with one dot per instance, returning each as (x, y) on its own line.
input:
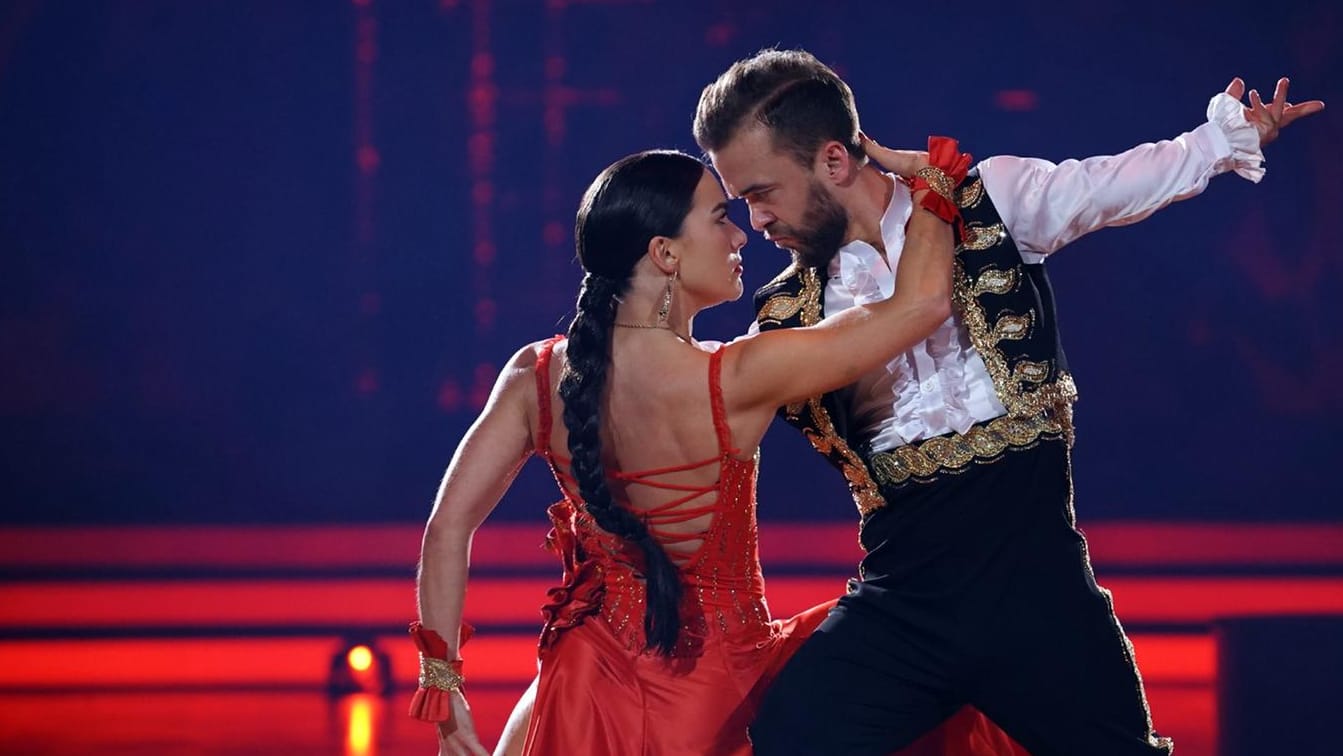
(663, 254)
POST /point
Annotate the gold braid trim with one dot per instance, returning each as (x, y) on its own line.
(784, 275)
(782, 307)
(811, 297)
(970, 194)
(824, 438)
(924, 459)
(979, 237)
(1056, 397)
(865, 492)
(440, 673)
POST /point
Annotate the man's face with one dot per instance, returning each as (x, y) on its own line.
(789, 204)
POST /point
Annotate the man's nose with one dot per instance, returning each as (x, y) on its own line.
(761, 218)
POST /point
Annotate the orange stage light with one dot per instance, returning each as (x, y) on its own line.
(360, 658)
(360, 667)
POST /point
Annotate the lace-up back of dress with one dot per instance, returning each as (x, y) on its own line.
(701, 509)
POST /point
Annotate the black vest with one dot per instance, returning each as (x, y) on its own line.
(1006, 306)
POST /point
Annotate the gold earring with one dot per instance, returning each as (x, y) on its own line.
(665, 312)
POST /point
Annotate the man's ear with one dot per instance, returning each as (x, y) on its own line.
(835, 165)
(663, 254)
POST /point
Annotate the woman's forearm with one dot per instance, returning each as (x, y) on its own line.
(441, 587)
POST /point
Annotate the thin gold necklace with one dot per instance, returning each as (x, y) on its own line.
(654, 326)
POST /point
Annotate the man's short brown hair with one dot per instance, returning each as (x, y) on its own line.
(802, 102)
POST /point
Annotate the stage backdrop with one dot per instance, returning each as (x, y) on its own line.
(261, 261)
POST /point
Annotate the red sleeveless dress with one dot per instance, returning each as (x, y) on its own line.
(600, 694)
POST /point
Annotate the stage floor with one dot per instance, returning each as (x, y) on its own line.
(262, 723)
(219, 640)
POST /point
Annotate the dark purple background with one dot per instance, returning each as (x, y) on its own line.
(210, 312)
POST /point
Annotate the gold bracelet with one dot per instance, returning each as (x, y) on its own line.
(440, 673)
(938, 181)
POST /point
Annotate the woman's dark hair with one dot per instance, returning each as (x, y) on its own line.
(639, 197)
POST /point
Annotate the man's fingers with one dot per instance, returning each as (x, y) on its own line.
(1236, 88)
(1255, 102)
(1280, 91)
(1294, 112)
(1279, 97)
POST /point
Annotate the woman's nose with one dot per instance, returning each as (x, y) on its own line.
(738, 237)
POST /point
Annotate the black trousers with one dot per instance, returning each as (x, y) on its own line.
(976, 589)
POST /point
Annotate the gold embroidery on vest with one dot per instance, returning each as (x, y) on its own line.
(982, 442)
(826, 441)
(970, 194)
(821, 431)
(779, 308)
(784, 275)
(982, 237)
(1056, 396)
(810, 297)
(1035, 372)
(782, 307)
(995, 281)
(1012, 327)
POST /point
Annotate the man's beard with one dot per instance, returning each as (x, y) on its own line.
(821, 233)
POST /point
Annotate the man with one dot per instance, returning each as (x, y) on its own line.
(976, 587)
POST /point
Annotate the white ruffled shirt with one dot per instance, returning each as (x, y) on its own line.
(941, 384)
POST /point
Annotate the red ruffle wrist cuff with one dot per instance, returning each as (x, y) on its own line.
(433, 703)
(945, 156)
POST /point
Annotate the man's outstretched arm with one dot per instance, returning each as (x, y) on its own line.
(1047, 205)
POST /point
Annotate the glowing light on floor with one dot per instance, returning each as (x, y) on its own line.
(360, 713)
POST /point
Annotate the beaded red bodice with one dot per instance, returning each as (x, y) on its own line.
(723, 590)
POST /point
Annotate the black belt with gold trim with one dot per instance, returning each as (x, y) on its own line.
(954, 451)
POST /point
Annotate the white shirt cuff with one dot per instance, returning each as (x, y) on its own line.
(1240, 152)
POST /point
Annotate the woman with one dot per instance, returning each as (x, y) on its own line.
(659, 640)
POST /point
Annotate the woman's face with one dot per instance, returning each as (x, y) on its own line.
(710, 248)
